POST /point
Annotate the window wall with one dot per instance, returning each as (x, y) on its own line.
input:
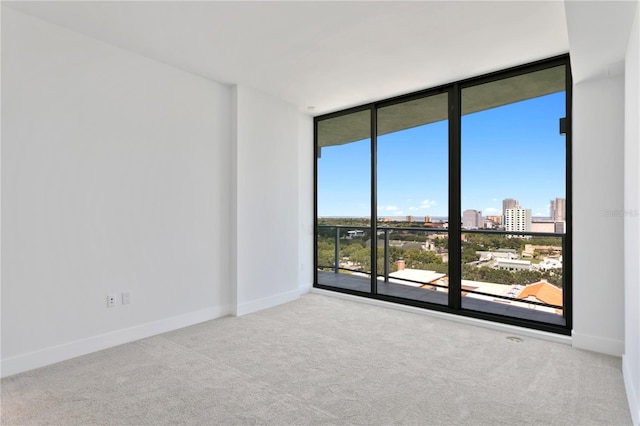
(412, 170)
(344, 194)
(455, 198)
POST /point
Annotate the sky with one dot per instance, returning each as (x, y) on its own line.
(513, 151)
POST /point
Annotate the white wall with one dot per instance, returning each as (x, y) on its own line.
(266, 201)
(306, 161)
(115, 177)
(598, 256)
(631, 357)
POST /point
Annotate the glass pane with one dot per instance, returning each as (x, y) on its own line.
(513, 169)
(412, 180)
(517, 277)
(344, 201)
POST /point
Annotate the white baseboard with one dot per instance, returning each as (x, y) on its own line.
(54, 354)
(267, 302)
(598, 344)
(506, 328)
(633, 397)
(304, 288)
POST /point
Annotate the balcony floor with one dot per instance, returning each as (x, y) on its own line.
(363, 284)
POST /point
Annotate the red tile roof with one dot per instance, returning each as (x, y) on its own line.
(543, 292)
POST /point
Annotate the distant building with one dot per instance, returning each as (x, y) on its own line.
(513, 264)
(509, 203)
(355, 233)
(485, 256)
(554, 251)
(497, 220)
(550, 263)
(409, 218)
(427, 219)
(558, 210)
(471, 219)
(517, 220)
(542, 226)
(560, 227)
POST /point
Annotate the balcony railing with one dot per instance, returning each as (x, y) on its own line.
(530, 275)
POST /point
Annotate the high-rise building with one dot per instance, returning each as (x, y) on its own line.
(517, 220)
(471, 219)
(558, 210)
(509, 203)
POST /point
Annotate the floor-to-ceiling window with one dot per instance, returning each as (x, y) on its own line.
(412, 170)
(343, 194)
(455, 198)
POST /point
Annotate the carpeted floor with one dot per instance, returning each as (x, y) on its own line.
(324, 360)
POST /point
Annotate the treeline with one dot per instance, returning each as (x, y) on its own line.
(499, 276)
(480, 242)
(358, 252)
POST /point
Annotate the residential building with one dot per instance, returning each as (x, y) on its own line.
(517, 220)
(543, 292)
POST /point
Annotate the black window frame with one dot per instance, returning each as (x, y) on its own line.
(454, 91)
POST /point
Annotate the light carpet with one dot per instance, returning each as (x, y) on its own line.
(325, 360)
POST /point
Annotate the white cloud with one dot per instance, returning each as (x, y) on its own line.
(424, 205)
(387, 208)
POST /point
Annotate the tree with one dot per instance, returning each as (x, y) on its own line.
(469, 254)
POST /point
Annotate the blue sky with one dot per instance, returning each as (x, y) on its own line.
(513, 151)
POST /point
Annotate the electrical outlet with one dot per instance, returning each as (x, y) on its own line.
(126, 298)
(111, 301)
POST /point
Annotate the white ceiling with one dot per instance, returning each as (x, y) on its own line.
(330, 55)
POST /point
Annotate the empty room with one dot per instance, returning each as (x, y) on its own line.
(320, 212)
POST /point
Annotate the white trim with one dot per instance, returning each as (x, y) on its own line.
(507, 328)
(305, 288)
(65, 351)
(632, 394)
(267, 302)
(598, 344)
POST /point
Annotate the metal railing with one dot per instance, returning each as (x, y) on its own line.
(386, 231)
